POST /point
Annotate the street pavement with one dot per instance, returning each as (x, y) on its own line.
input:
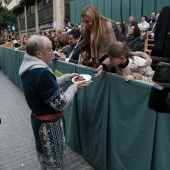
(17, 148)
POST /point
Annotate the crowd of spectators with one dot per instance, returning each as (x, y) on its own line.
(87, 43)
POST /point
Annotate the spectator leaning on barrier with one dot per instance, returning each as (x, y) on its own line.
(98, 32)
(46, 100)
(129, 65)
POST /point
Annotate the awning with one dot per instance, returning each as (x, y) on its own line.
(27, 2)
(18, 9)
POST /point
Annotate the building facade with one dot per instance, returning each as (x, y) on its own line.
(40, 15)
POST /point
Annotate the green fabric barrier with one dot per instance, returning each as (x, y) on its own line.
(94, 3)
(131, 125)
(125, 6)
(72, 12)
(77, 14)
(118, 9)
(10, 61)
(87, 2)
(147, 11)
(161, 149)
(100, 6)
(135, 10)
(160, 4)
(109, 122)
(107, 13)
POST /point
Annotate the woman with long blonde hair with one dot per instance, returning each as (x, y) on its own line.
(99, 32)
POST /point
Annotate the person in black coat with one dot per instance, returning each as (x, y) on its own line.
(162, 28)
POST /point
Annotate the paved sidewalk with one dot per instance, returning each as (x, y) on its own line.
(17, 149)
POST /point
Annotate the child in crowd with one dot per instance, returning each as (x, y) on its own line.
(85, 58)
(129, 65)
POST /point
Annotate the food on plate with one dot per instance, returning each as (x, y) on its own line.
(79, 78)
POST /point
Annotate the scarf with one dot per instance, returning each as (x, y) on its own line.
(30, 63)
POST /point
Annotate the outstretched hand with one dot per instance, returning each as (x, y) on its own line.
(72, 75)
(129, 77)
(99, 69)
(81, 84)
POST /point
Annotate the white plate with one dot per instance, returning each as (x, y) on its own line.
(86, 76)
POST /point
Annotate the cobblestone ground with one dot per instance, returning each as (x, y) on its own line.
(17, 149)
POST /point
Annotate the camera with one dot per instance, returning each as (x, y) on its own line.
(159, 99)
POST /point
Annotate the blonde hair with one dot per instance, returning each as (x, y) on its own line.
(118, 49)
(98, 28)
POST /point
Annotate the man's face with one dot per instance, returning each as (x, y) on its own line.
(46, 53)
(131, 19)
(72, 41)
(153, 15)
(143, 19)
(87, 23)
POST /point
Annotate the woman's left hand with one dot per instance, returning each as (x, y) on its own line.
(73, 75)
(99, 69)
(129, 77)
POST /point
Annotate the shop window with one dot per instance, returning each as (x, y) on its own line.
(32, 9)
(22, 16)
(48, 2)
(40, 5)
(44, 3)
(29, 10)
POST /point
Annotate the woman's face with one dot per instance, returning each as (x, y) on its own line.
(131, 31)
(115, 61)
(87, 23)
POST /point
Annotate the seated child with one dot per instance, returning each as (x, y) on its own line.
(132, 65)
(85, 59)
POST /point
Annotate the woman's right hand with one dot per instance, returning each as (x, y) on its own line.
(100, 69)
(81, 84)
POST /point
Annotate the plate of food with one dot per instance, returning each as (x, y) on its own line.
(81, 77)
